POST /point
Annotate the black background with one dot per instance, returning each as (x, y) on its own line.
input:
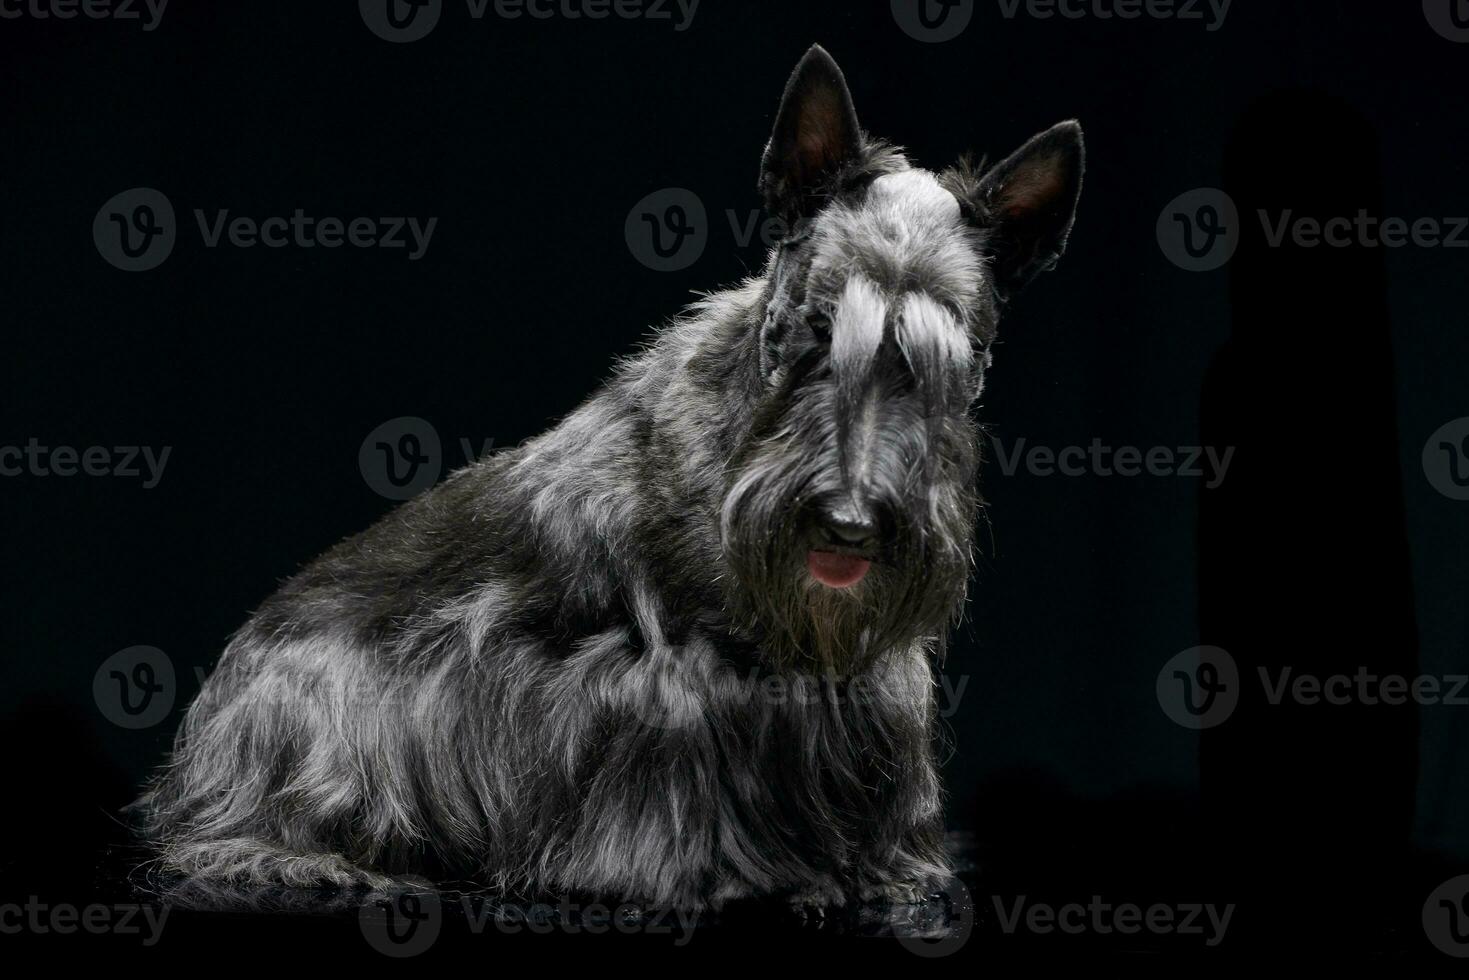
(1326, 548)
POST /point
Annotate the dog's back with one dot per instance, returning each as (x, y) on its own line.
(489, 684)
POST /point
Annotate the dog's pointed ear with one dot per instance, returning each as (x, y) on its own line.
(1027, 202)
(815, 133)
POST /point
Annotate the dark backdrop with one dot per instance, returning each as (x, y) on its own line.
(1327, 546)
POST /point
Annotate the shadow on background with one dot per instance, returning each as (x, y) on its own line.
(1304, 559)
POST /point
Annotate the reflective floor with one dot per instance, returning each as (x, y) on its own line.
(944, 920)
(1017, 901)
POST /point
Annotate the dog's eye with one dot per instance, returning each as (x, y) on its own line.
(820, 325)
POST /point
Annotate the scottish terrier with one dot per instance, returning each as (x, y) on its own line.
(680, 649)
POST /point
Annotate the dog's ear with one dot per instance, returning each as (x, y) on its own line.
(1027, 203)
(815, 133)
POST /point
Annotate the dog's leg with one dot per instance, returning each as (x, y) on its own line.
(253, 861)
(268, 786)
(901, 856)
(906, 873)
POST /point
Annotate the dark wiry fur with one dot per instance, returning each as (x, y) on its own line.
(597, 663)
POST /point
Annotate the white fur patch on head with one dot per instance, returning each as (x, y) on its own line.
(917, 191)
(904, 233)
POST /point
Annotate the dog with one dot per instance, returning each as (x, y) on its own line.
(679, 649)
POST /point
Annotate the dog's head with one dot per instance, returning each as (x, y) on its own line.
(850, 508)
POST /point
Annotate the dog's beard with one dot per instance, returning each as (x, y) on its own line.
(914, 589)
(838, 631)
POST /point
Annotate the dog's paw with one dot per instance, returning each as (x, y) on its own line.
(812, 904)
(895, 893)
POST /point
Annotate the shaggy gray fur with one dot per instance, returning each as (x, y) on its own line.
(597, 663)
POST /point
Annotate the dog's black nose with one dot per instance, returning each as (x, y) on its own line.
(848, 526)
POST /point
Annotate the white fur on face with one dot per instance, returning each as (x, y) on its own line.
(933, 342)
(858, 329)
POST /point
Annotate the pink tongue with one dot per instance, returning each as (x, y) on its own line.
(836, 571)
